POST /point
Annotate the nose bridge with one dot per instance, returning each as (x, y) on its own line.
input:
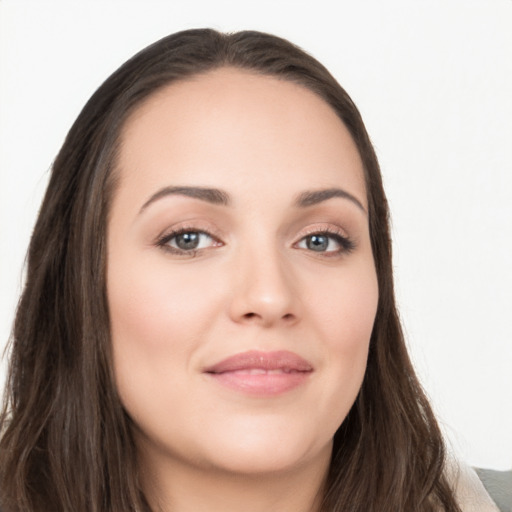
(263, 288)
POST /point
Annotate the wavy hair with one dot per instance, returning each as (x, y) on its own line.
(66, 441)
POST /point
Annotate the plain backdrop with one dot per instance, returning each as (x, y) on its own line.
(433, 80)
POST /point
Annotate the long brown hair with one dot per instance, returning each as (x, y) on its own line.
(66, 441)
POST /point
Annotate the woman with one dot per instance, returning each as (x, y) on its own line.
(208, 321)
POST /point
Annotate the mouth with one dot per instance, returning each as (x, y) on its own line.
(261, 373)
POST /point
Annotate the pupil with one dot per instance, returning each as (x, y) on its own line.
(187, 240)
(317, 242)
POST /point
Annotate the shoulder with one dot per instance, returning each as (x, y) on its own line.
(469, 490)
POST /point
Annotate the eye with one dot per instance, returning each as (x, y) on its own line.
(187, 241)
(326, 242)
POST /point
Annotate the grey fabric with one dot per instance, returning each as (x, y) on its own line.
(499, 486)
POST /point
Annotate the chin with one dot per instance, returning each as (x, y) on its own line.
(259, 452)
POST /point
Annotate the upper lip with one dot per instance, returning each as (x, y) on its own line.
(254, 359)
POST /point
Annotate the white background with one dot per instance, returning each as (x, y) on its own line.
(433, 80)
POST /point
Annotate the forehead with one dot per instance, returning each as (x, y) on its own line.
(242, 128)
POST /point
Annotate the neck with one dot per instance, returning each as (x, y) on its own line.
(175, 486)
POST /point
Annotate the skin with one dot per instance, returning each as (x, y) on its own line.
(255, 284)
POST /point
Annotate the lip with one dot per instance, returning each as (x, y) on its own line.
(261, 373)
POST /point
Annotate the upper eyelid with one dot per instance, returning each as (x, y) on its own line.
(174, 234)
(188, 227)
(322, 229)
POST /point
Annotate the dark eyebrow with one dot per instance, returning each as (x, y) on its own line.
(312, 197)
(210, 195)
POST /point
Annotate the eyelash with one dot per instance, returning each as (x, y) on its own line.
(163, 241)
(346, 244)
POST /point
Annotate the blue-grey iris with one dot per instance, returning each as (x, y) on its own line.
(317, 242)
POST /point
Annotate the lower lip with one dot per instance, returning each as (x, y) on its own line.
(263, 384)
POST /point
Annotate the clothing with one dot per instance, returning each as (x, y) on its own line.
(499, 486)
(469, 490)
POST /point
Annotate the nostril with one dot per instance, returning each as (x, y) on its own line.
(288, 316)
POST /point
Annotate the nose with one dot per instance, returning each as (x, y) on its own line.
(264, 290)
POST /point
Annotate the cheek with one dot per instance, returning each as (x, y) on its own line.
(344, 315)
(347, 309)
(151, 306)
(158, 318)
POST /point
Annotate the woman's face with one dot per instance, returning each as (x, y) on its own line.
(241, 283)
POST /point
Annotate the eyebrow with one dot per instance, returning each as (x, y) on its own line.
(210, 195)
(313, 197)
(219, 197)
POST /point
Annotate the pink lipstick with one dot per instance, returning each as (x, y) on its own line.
(261, 373)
